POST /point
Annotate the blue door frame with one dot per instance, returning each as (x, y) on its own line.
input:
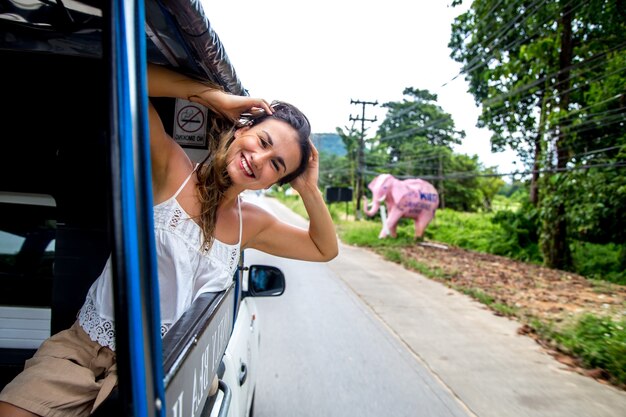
(136, 286)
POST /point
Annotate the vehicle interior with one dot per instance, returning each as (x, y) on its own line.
(55, 168)
(52, 144)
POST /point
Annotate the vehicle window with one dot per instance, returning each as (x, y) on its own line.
(27, 246)
(10, 245)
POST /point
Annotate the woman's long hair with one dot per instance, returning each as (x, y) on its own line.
(213, 179)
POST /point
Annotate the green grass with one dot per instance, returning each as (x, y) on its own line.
(502, 203)
(394, 255)
(488, 300)
(473, 231)
(599, 342)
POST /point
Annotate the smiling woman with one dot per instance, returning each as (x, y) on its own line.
(160, 266)
(256, 146)
(284, 135)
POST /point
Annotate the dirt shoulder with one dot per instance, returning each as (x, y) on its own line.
(523, 291)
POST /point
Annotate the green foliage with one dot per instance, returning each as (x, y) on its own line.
(489, 187)
(473, 231)
(519, 237)
(341, 211)
(392, 255)
(596, 205)
(600, 342)
(514, 188)
(414, 123)
(549, 79)
(500, 203)
(365, 233)
(599, 261)
(345, 167)
(478, 295)
(335, 171)
(462, 190)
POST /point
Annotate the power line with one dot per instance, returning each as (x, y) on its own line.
(595, 59)
(491, 114)
(481, 60)
(468, 175)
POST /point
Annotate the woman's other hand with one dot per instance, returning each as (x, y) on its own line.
(308, 179)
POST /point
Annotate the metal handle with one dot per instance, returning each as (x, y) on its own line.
(226, 400)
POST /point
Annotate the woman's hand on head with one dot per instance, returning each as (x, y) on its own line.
(230, 106)
(309, 178)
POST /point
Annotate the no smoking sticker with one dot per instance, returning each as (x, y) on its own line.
(190, 124)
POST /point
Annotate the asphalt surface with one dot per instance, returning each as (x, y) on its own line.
(479, 357)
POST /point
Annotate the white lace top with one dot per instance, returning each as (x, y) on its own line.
(186, 269)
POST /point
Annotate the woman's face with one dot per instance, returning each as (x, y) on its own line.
(261, 155)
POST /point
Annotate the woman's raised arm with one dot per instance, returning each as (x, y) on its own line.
(319, 242)
(163, 82)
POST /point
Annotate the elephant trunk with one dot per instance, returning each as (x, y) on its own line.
(374, 209)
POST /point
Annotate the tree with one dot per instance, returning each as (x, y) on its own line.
(415, 140)
(414, 127)
(351, 137)
(335, 171)
(536, 68)
(489, 185)
(462, 182)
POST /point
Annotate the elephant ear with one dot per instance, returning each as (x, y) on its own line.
(379, 186)
(398, 190)
(377, 182)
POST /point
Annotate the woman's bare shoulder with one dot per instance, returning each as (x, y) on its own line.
(252, 212)
(255, 218)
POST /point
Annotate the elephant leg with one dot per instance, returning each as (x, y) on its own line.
(421, 222)
(392, 222)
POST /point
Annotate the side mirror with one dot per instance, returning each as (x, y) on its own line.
(265, 281)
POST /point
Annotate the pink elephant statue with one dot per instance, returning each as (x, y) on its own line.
(412, 198)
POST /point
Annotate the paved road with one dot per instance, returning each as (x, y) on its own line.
(442, 353)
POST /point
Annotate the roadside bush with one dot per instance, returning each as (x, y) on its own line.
(600, 343)
(598, 261)
(519, 237)
(473, 231)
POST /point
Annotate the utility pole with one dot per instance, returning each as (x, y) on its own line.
(361, 152)
(442, 192)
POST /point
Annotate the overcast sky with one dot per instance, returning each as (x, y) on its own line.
(321, 54)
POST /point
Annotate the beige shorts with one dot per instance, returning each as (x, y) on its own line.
(69, 375)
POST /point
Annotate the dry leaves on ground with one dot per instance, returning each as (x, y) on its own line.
(533, 291)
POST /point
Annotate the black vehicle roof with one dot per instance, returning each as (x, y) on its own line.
(178, 34)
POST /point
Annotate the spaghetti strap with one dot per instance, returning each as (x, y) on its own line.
(240, 219)
(185, 182)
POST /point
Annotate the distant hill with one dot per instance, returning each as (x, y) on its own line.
(330, 143)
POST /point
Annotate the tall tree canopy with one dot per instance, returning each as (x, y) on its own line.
(550, 79)
(415, 126)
